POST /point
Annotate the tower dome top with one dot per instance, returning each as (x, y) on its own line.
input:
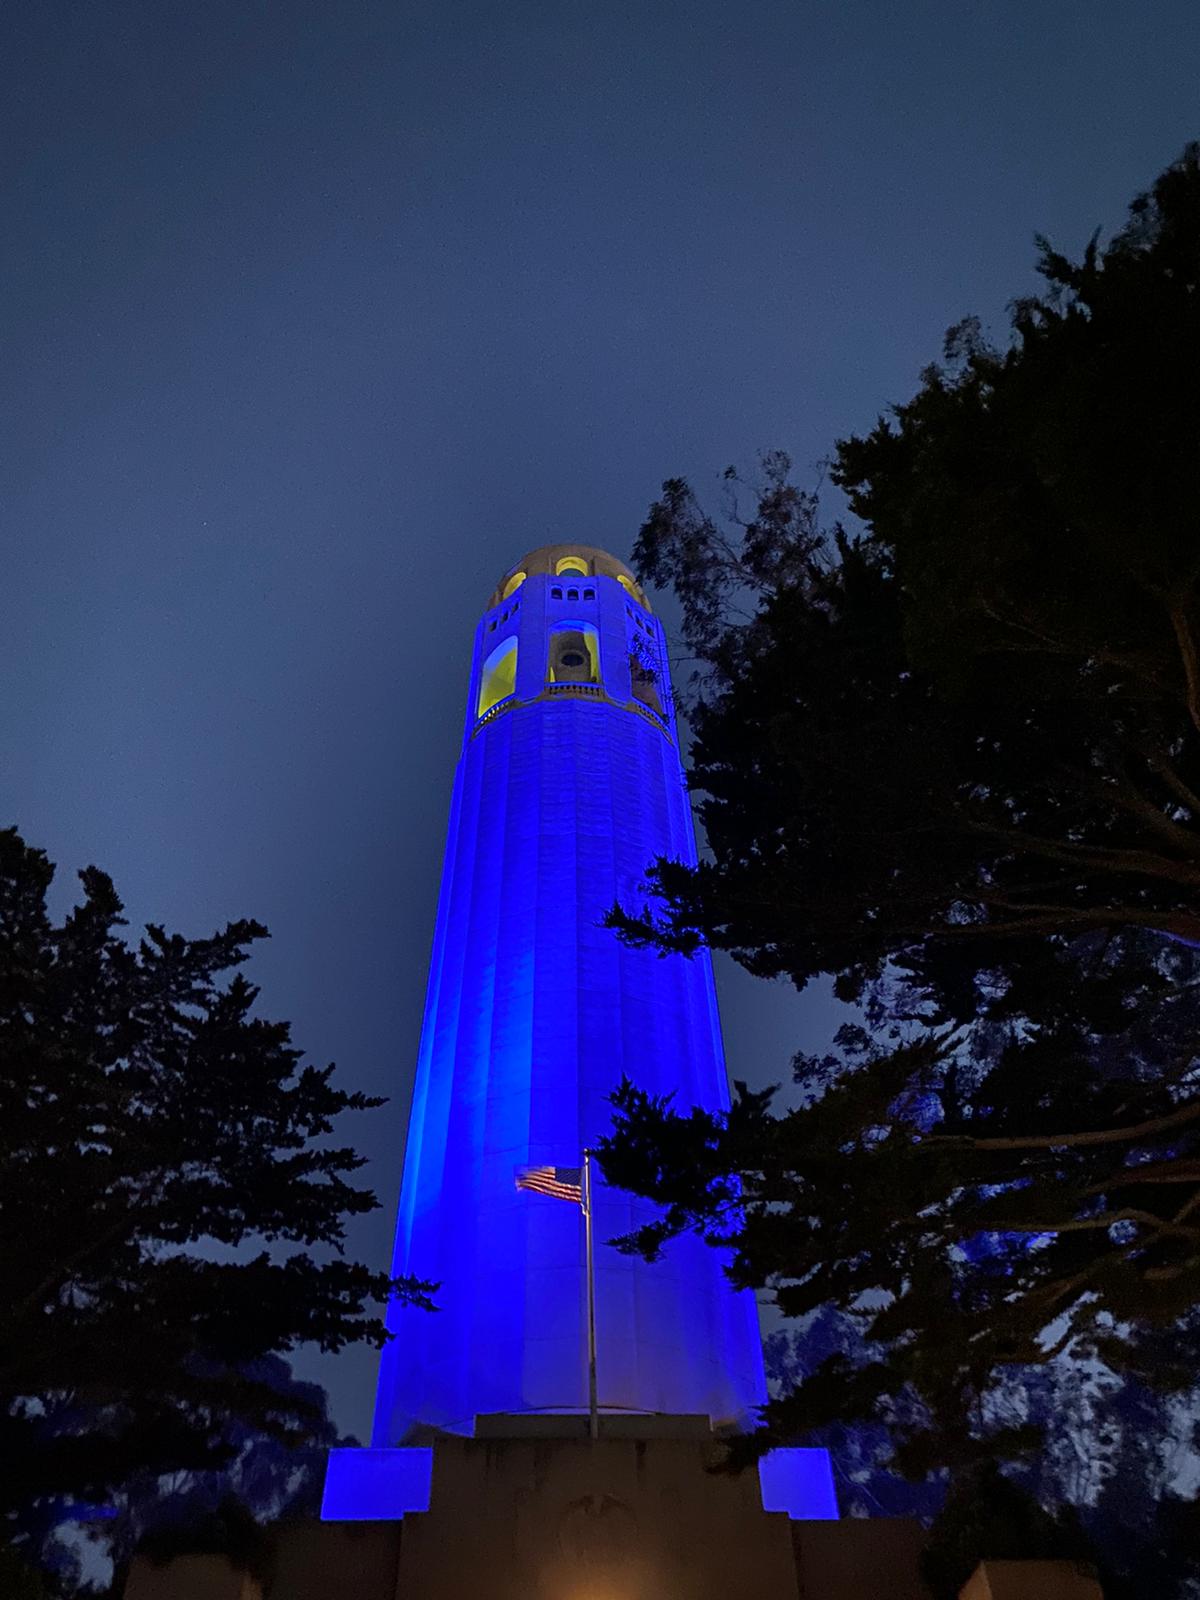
(568, 560)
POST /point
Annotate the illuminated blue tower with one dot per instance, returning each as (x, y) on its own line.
(568, 786)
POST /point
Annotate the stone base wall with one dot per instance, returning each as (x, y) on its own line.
(622, 1518)
(1030, 1580)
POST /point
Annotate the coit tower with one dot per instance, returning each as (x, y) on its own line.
(568, 786)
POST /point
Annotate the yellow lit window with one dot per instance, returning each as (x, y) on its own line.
(499, 677)
(571, 564)
(511, 585)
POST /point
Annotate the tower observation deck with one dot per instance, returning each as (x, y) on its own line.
(569, 784)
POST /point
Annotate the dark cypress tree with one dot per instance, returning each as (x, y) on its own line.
(172, 1204)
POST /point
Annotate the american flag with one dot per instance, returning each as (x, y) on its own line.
(562, 1183)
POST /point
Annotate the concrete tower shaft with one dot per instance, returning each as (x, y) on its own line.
(568, 786)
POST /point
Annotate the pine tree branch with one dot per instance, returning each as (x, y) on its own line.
(1150, 1172)
(1187, 655)
(1149, 1129)
(1129, 798)
(1046, 918)
(1086, 1224)
(1140, 863)
(1182, 792)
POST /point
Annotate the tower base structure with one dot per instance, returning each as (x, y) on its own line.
(530, 1508)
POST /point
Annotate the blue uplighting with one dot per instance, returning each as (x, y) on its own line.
(376, 1485)
(799, 1482)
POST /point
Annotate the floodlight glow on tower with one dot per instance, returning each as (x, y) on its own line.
(568, 786)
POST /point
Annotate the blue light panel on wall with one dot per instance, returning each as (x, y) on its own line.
(799, 1482)
(376, 1485)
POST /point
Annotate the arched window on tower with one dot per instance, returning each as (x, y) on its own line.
(571, 564)
(511, 585)
(499, 676)
(574, 654)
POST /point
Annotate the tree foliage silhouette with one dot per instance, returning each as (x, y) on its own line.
(953, 760)
(172, 1204)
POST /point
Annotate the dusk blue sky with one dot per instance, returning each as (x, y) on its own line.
(315, 317)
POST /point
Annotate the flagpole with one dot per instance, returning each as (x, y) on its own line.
(593, 1409)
